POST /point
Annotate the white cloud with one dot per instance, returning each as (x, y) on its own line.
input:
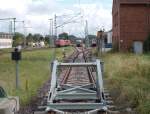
(37, 12)
(17, 5)
(97, 16)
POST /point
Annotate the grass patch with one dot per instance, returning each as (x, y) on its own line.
(34, 71)
(129, 76)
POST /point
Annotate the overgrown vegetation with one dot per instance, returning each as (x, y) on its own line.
(34, 71)
(115, 48)
(128, 78)
(147, 44)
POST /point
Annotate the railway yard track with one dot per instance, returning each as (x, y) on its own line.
(76, 87)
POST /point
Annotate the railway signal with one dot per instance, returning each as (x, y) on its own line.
(16, 56)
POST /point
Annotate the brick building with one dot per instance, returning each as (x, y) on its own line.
(131, 23)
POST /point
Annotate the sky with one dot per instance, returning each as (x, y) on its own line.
(36, 14)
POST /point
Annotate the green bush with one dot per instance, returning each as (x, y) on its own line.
(147, 44)
(115, 47)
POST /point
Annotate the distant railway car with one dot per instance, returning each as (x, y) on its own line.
(78, 43)
(62, 43)
(68, 42)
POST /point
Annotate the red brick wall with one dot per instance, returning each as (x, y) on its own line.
(133, 24)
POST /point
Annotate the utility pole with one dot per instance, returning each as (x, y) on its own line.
(55, 24)
(52, 36)
(50, 32)
(86, 34)
(10, 27)
(23, 22)
(14, 19)
(51, 40)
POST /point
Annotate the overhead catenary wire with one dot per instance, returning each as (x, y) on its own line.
(68, 19)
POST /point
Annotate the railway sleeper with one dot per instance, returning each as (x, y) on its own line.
(79, 112)
(76, 112)
(60, 102)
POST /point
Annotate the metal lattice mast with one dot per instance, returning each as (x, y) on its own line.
(14, 25)
(10, 27)
(55, 25)
(14, 20)
(23, 22)
(55, 37)
(86, 34)
(50, 32)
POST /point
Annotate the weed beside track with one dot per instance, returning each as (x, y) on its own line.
(128, 78)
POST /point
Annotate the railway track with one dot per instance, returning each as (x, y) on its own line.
(75, 76)
(77, 87)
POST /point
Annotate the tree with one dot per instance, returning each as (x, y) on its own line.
(47, 38)
(63, 36)
(29, 38)
(37, 37)
(42, 38)
(72, 38)
(18, 39)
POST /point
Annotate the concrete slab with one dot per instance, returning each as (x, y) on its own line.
(9, 105)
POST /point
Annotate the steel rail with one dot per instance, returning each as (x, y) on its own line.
(79, 92)
(91, 77)
(64, 81)
(66, 76)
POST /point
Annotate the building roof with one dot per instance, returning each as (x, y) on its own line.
(4, 33)
(134, 1)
